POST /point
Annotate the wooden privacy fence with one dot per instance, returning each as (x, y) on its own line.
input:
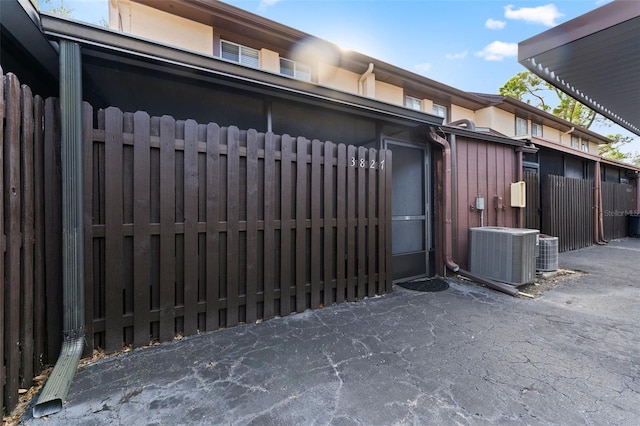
(567, 211)
(532, 208)
(192, 227)
(617, 204)
(30, 333)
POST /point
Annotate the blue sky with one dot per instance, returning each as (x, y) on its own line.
(468, 44)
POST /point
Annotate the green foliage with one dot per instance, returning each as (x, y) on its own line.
(612, 151)
(528, 87)
(60, 10)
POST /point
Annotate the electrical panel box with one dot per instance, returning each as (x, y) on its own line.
(518, 194)
(479, 203)
(503, 254)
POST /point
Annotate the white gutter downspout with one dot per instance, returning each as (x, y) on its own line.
(362, 78)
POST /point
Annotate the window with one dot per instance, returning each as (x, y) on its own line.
(522, 126)
(575, 142)
(413, 103)
(536, 129)
(440, 111)
(295, 69)
(240, 54)
(585, 146)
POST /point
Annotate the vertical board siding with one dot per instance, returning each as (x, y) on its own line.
(484, 170)
(248, 226)
(567, 211)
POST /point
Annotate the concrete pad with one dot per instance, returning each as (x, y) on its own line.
(467, 355)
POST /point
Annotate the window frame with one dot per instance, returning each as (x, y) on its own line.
(535, 125)
(413, 99)
(444, 108)
(254, 54)
(295, 66)
(518, 129)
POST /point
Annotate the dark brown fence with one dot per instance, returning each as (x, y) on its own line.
(532, 209)
(193, 227)
(617, 204)
(567, 211)
(25, 342)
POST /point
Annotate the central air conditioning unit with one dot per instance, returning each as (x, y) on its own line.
(503, 254)
(548, 257)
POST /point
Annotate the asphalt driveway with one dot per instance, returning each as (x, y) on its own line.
(466, 355)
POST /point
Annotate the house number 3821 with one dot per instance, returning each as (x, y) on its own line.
(362, 163)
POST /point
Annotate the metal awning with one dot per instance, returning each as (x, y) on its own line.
(594, 58)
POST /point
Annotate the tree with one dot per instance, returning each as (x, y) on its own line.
(612, 151)
(528, 87)
(61, 10)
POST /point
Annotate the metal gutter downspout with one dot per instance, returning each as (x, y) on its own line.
(55, 390)
(366, 74)
(446, 197)
(448, 223)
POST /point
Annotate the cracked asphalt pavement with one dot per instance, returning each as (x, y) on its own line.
(464, 356)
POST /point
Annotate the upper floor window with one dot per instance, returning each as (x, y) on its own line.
(536, 129)
(522, 126)
(440, 111)
(241, 54)
(585, 146)
(575, 142)
(413, 103)
(295, 69)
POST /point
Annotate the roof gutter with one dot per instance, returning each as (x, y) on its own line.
(55, 390)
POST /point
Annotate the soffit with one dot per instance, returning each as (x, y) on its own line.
(594, 58)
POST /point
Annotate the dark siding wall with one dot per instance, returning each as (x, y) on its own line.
(483, 169)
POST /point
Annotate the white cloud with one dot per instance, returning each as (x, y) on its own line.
(545, 15)
(494, 24)
(266, 3)
(498, 50)
(459, 55)
(423, 67)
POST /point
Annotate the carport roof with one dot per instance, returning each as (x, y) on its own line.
(594, 58)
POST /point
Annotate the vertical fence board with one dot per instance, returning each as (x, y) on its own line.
(27, 217)
(233, 217)
(252, 228)
(167, 228)
(382, 222)
(12, 205)
(361, 192)
(352, 157)
(316, 245)
(387, 206)
(329, 254)
(285, 225)
(371, 225)
(87, 199)
(190, 192)
(341, 224)
(53, 227)
(213, 219)
(113, 228)
(269, 225)
(39, 259)
(141, 235)
(301, 224)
